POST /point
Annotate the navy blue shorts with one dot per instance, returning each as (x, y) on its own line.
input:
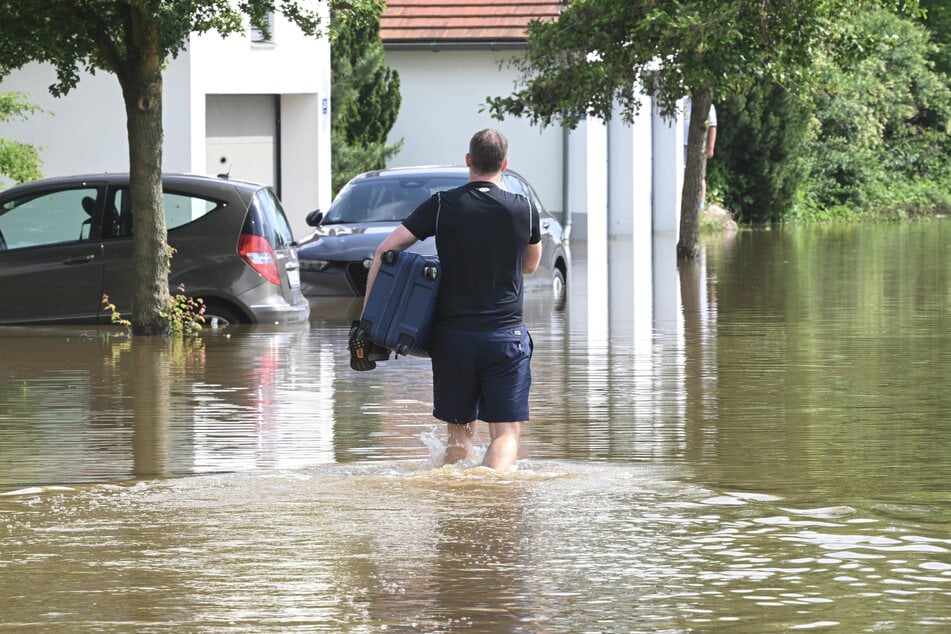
(481, 375)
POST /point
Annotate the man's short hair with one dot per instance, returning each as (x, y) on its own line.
(487, 151)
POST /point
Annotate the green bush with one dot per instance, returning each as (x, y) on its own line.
(871, 140)
(879, 141)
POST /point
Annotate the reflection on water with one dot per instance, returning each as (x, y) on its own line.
(754, 442)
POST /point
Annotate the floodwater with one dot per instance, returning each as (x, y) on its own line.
(758, 442)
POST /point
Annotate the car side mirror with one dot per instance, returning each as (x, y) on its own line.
(313, 218)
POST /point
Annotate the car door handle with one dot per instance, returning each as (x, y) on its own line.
(79, 259)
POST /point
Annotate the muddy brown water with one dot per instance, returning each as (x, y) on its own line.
(755, 443)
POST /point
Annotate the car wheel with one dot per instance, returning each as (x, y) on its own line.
(559, 289)
(217, 317)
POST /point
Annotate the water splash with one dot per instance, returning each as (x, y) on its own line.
(437, 451)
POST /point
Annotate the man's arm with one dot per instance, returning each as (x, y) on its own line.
(400, 239)
(533, 256)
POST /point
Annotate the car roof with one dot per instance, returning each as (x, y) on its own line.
(416, 170)
(420, 170)
(121, 178)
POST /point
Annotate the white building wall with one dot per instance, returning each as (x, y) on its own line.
(589, 190)
(184, 127)
(85, 131)
(305, 157)
(630, 167)
(630, 224)
(443, 104)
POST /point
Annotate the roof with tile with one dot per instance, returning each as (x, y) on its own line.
(408, 21)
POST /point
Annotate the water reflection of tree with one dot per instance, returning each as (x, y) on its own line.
(87, 405)
(156, 366)
(699, 371)
(832, 356)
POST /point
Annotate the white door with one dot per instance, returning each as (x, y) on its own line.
(242, 137)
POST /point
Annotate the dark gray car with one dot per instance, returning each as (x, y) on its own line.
(335, 259)
(64, 242)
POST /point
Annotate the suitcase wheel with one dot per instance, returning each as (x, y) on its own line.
(389, 257)
(430, 273)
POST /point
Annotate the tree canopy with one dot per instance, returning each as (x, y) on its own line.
(600, 56)
(19, 162)
(871, 138)
(881, 131)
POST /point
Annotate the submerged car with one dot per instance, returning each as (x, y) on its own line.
(65, 242)
(335, 259)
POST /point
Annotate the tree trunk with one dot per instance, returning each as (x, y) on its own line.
(141, 80)
(688, 246)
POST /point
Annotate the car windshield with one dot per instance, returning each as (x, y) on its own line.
(387, 199)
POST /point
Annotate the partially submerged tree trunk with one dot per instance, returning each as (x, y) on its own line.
(688, 246)
(140, 75)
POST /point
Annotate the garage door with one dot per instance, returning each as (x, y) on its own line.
(242, 137)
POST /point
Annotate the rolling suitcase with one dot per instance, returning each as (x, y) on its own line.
(399, 311)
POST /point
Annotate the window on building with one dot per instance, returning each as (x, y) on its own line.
(263, 35)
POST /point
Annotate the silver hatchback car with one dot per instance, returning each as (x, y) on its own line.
(64, 242)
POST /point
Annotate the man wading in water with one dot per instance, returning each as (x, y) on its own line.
(486, 238)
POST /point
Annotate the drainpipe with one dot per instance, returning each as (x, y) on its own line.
(565, 184)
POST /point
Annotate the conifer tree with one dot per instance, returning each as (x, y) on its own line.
(365, 98)
(938, 22)
(758, 166)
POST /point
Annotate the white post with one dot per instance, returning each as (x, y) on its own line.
(630, 185)
(588, 194)
(305, 158)
(594, 191)
(668, 147)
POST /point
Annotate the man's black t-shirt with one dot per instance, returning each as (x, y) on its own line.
(481, 234)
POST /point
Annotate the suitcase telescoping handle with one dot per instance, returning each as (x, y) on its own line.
(429, 272)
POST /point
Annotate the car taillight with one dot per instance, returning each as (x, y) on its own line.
(259, 253)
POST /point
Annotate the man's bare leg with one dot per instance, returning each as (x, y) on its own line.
(503, 448)
(459, 444)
